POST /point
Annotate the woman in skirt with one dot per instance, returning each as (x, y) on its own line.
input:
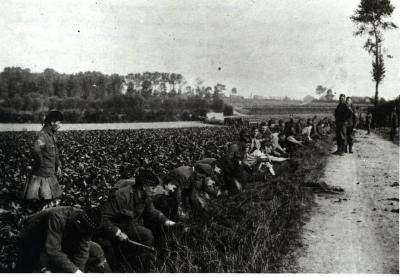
(42, 188)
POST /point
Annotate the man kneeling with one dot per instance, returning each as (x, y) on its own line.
(58, 240)
(123, 217)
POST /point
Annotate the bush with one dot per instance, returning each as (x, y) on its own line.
(72, 115)
(228, 110)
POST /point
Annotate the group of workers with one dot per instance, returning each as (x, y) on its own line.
(68, 239)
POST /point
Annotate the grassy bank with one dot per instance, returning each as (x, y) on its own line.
(255, 230)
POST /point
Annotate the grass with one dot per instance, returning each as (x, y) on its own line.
(254, 231)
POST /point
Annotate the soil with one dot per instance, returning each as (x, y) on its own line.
(356, 231)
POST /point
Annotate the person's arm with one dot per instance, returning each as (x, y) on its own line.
(58, 165)
(80, 258)
(153, 214)
(293, 140)
(57, 257)
(109, 210)
(276, 145)
(37, 150)
(195, 194)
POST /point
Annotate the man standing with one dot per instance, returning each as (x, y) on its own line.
(342, 114)
(369, 122)
(123, 217)
(350, 123)
(59, 240)
(394, 123)
(43, 187)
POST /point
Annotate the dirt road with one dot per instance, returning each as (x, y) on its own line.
(357, 231)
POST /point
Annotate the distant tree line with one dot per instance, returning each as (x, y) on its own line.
(96, 97)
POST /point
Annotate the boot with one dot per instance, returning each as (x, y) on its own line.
(337, 151)
(351, 149)
(345, 149)
(341, 150)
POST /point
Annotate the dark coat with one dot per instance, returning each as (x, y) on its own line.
(51, 232)
(351, 120)
(45, 153)
(342, 113)
(183, 178)
(128, 206)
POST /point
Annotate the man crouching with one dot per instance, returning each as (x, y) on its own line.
(123, 217)
(59, 240)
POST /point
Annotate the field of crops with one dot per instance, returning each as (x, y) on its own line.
(4, 127)
(253, 231)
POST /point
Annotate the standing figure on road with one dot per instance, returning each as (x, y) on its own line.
(350, 123)
(59, 240)
(43, 187)
(394, 123)
(342, 114)
(369, 122)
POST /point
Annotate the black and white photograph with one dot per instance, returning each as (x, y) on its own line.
(199, 136)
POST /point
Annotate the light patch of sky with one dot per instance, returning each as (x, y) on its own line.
(262, 47)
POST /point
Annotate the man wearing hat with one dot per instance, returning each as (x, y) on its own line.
(342, 114)
(59, 240)
(235, 172)
(190, 187)
(123, 217)
(42, 186)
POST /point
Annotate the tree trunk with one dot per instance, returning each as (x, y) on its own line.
(376, 62)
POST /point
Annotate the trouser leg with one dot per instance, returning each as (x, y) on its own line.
(343, 135)
(338, 139)
(142, 260)
(276, 159)
(350, 139)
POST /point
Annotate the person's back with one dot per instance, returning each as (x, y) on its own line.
(58, 239)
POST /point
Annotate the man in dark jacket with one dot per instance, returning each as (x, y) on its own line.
(350, 125)
(234, 171)
(191, 187)
(123, 218)
(342, 114)
(58, 240)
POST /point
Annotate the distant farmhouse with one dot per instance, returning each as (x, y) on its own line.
(358, 99)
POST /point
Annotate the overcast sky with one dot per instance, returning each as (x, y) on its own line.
(270, 48)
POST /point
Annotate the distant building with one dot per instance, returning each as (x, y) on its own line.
(358, 99)
(258, 97)
(236, 97)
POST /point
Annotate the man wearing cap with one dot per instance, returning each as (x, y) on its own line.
(43, 187)
(123, 217)
(190, 187)
(59, 240)
(342, 114)
(236, 174)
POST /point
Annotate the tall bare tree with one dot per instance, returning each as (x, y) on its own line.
(371, 20)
